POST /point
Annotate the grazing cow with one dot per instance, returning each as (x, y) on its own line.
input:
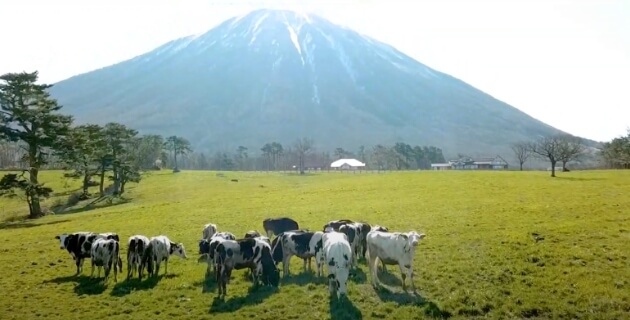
(337, 253)
(251, 253)
(393, 248)
(207, 249)
(136, 246)
(336, 224)
(79, 245)
(160, 248)
(352, 232)
(278, 225)
(300, 243)
(209, 230)
(105, 253)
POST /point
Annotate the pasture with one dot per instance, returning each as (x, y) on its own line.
(498, 245)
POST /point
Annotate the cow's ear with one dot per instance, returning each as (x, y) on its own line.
(331, 276)
(57, 237)
(422, 235)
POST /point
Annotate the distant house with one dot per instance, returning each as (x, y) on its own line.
(496, 163)
(347, 164)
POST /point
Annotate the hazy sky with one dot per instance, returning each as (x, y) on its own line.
(566, 63)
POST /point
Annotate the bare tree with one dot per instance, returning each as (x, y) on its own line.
(570, 148)
(548, 148)
(522, 151)
(303, 147)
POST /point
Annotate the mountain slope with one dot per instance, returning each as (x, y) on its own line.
(276, 75)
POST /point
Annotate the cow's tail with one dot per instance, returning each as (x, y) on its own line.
(276, 248)
(147, 258)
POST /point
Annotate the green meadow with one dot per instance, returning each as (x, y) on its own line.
(499, 245)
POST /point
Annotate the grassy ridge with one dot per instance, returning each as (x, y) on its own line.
(499, 244)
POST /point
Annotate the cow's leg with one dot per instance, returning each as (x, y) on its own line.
(269, 233)
(78, 263)
(305, 264)
(285, 264)
(92, 273)
(410, 276)
(166, 266)
(116, 272)
(403, 275)
(383, 268)
(372, 267)
(130, 265)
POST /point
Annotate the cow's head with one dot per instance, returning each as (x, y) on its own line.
(63, 240)
(204, 246)
(178, 250)
(414, 238)
(340, 275)
(379, 228)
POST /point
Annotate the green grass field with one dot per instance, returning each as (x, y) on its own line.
(498, 245)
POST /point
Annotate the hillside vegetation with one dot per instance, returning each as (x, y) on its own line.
(499, 244)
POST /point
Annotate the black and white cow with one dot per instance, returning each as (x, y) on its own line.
(338, 255)
(336, 224)
(207, 249)
(394, 249)
(79, 245)
(278, 225)
(160, 248)
(352, 231)
(305, 245)
(136, 246)
(251, 253)
(208, 231)
(105, 253)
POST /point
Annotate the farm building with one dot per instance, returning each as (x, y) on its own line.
(347, 164)
(496, 163)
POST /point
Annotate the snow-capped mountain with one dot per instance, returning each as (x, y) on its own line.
(274, 75)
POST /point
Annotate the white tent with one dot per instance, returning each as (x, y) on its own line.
(347, 164)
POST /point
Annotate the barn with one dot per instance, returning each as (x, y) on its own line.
(347, 164)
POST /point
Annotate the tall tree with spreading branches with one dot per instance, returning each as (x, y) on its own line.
(28, 114)
(548, 148)
(522, 151)
(178, 146)
(571, 148)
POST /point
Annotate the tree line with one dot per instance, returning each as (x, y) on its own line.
(562, 148)
(36, 135)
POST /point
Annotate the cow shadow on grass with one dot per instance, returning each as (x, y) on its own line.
(100, 203)
(208, 284)
(403, 298)
(123, 288)
(255, 295)
(84, 284)
(28, 224)
(343, 308)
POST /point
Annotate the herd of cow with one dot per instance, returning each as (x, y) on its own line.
(338, 246)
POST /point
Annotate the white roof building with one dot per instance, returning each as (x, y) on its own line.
(347, 163)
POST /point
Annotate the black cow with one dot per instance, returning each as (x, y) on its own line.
(79, 245)
(252, 234)
(336, 224)
(251, 253)
(278, 225)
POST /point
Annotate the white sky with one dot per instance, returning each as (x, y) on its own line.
(566, 63)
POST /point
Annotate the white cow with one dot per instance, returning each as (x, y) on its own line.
(209, 230)
(104, 254)
(135, 249)
(160, 249)
(338, 257)
(393, 248)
